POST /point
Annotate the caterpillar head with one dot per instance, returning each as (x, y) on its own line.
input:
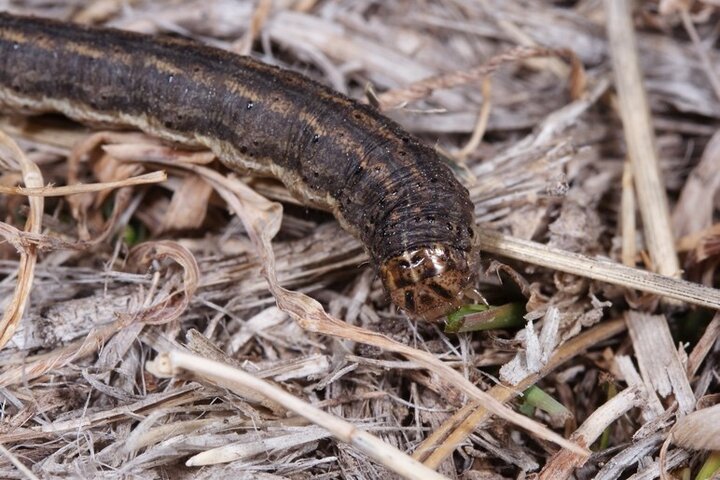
(429, 282)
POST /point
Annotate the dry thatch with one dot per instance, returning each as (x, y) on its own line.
(143, 336)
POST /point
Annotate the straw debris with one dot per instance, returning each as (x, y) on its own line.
(163, 317)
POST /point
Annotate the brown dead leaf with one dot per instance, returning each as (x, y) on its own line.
(170, 307)
(105, 168)
(699, 430)
(188, 206)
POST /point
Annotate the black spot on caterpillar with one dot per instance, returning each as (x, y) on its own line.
(384, 186)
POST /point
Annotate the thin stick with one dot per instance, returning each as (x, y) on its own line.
(259, 17)
(563, 463)
(640, 138)
(600, 269)
(152, 177)
(425, 87)
(382, 452)
(481, 123)
(703, 346)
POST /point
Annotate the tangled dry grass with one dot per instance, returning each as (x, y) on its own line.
(160, 316)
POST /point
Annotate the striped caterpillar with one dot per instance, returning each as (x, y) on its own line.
(414, 218)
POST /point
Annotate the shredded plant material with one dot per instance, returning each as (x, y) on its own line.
(166, 318)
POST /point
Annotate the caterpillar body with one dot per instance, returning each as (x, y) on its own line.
(385, 187)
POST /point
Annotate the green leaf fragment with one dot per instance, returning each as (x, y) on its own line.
(472, 318)
(538, 398)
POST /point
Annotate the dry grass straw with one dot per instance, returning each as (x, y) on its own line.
(640, 138)
(122, 262)
(145, 179)
(563, 463)
(600, 269)
(172, 363)
(424, 88)
(13, 158)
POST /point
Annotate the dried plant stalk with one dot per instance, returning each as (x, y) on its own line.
(659, 362)
(563, 463)
(599, 269)
(144, 179)
(32, 177)
(383, 453)
(640, 138)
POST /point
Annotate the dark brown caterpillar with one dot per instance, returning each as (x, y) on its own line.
(386, 188)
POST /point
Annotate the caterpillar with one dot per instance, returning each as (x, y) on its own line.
(384, 186)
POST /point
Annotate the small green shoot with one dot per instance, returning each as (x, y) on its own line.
(604, 440)
(134, 234)
(535, 397)
(710, 468)
(472, 318)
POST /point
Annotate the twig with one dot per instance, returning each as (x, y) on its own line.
(640, 139)
(563, 463)
(660, 364)
(424, 88)
(147, 178)
(481, 123)
(703, 346)
(603, 270)
(382, 452)
(259, 17)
